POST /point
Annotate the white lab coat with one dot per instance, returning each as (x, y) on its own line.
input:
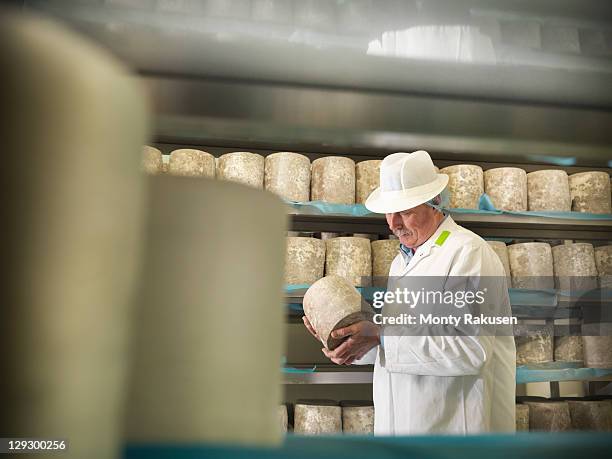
(446, 384)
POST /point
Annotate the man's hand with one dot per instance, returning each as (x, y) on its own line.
(362, 336)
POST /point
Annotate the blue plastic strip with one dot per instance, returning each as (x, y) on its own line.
(292, 370)
(366, 292)
(320, 207)
(558, 371)
(485, 207)
(524, 297)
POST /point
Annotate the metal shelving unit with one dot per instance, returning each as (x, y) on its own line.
(509, 226)
(364, 374)
(331, 374)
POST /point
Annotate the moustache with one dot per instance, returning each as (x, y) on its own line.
(402, 232)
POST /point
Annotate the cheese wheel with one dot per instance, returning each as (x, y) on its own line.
(531, 265)
(283, 418)
(568, 349)
(603, 261)
(317, 418)
(357, 417)
(597, 351)
(73, 201)
(501, 251)
(522, 417)
(242, 167)
(333, 180)
(331, 303)
(590, 192)
(367, 177)
(165, 161)
(465, 185)
(549, 416)
(507, 188)
(548, 190)
(384, 252)
(288, 175)
(534, 343)
(349, 257)
(595, 415)
(574, 267)
(224, 296)
(152, 162)
(191, 163)
(304, 260)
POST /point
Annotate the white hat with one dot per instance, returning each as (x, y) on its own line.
(406, 181)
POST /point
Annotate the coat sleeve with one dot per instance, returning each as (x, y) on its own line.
(454, 355)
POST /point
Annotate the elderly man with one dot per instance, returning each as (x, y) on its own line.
(453, 384)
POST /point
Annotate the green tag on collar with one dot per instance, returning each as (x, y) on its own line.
(442, 237)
